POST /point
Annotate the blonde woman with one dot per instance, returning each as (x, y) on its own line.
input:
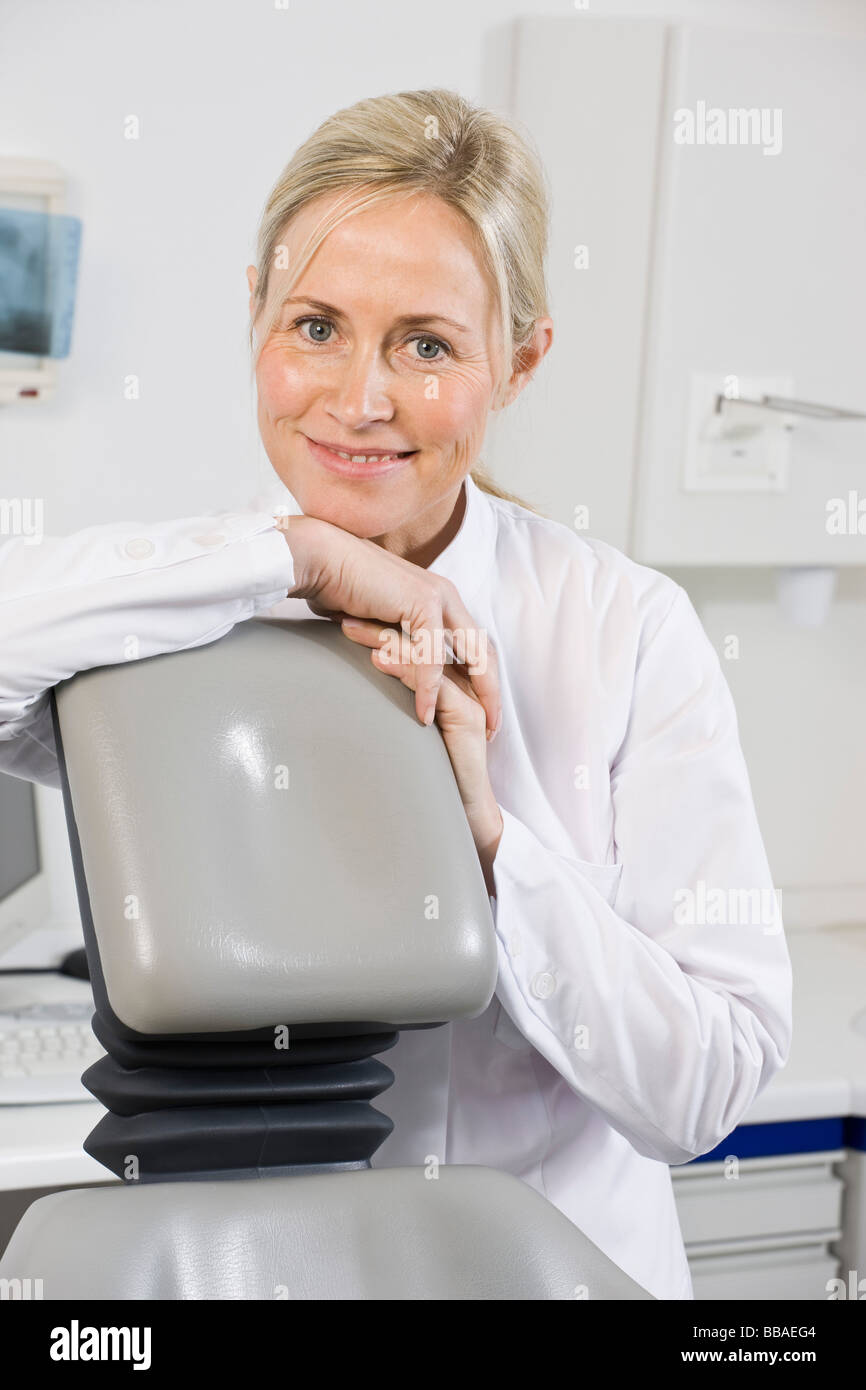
(398, 298)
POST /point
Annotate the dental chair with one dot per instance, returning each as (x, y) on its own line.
(275, 877)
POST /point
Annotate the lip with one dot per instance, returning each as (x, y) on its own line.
(347, 469)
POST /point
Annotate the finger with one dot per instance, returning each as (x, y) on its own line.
(405, 671)
(458, 676)
(476, 654)
(453, 684)
(418, 639)
(366, 632)
(388, 640)
(453, 695)
(396, 649)
(405, 655)
(420, 643)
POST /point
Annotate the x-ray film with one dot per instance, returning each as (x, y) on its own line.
(38, 274)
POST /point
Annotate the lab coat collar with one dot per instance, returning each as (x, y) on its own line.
(466, 559)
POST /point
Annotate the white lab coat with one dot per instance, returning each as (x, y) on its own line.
(627, 1032)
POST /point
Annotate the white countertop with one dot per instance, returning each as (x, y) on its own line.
(826, 1071)
(40, 1145)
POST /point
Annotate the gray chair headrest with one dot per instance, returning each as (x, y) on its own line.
(268, 833)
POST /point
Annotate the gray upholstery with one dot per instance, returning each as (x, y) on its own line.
(259, 903)
(389, 1233)
(222, 902)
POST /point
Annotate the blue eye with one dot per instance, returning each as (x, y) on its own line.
(317, 321)
(434, 342)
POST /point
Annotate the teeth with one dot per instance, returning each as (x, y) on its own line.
(365, 458)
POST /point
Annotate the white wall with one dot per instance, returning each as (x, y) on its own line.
(224, 91)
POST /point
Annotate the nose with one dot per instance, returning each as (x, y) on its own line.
(360, 393)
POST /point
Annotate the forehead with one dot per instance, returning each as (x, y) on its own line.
(416, 247)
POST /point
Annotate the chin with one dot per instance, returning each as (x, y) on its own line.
(363, 510)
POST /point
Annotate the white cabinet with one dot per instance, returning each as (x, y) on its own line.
(696, 238)
(766, 1230)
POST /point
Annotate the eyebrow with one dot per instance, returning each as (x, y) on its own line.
(404, 321)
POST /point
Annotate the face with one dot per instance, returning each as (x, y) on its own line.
(386, 348)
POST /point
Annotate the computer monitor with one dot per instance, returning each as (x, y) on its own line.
(39, 918)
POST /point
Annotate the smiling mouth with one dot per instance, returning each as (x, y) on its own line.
(369, 458)
(364, 456)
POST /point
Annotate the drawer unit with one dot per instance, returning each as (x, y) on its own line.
(763, 1229)
(798, 1274)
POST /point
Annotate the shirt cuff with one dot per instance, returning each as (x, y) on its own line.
(273, 566)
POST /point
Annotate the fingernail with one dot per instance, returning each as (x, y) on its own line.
(428, 717)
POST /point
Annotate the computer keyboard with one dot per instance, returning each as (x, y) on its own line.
(44, 1048)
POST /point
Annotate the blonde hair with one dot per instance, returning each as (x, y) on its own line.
(433, 142)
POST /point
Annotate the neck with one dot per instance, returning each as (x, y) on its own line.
(424, 538)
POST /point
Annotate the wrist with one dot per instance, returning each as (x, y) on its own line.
(486, 825)
(299, 536)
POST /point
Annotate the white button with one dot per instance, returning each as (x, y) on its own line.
(214, 538)
(543, 985)
(140, 548)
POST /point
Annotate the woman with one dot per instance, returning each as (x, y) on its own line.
(399, 297)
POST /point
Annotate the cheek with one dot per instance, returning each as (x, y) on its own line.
(283, 383)
(458, 413)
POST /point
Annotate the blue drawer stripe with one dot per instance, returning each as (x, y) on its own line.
(790, 1137)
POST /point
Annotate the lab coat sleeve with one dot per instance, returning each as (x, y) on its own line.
(664, 1000)
(111, 593)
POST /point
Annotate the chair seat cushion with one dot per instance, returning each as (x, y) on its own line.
(391, 1233)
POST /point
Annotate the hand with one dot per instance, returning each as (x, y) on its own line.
(461, 720)
(341, 575)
